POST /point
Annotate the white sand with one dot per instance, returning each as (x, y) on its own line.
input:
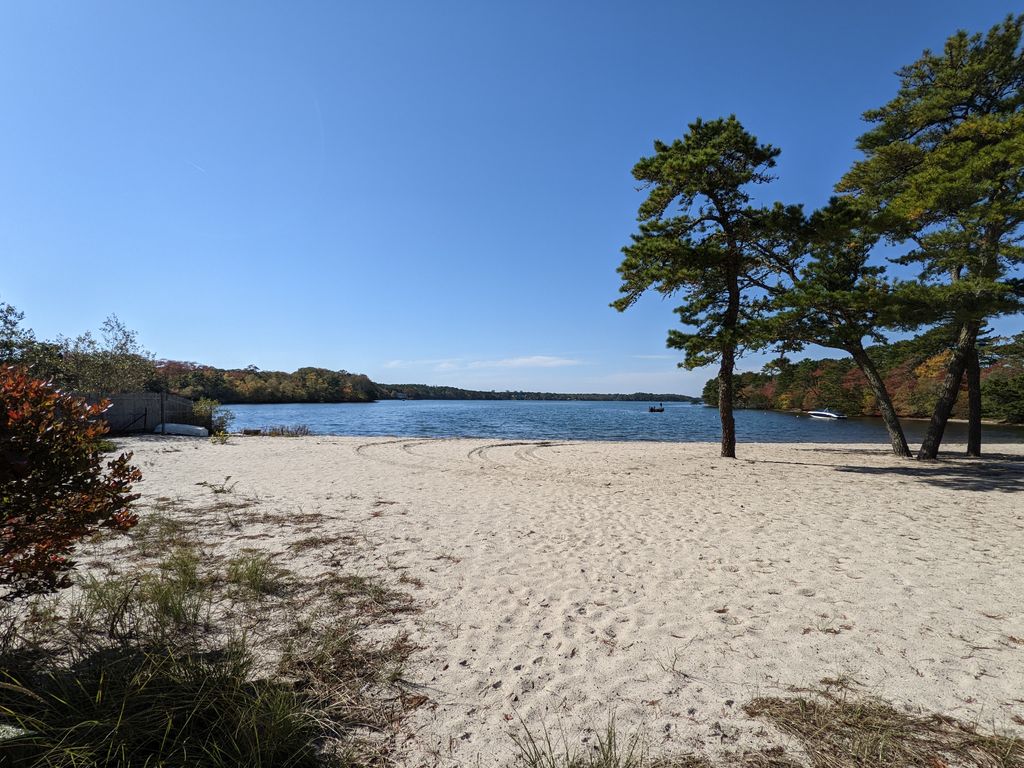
(564, 582)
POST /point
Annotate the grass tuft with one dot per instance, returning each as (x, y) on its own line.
(285, 430)
(218, 488)
(159, 531)
(610, 751)
(256, 574)
(370, 596)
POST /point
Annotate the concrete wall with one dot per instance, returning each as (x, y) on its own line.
(140, 411)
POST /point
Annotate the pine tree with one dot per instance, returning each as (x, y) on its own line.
(837, 299)
(943, 169)
(699, 237)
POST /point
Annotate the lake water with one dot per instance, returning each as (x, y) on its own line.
(577, 420)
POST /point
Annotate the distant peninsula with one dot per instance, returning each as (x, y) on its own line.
(426, 392)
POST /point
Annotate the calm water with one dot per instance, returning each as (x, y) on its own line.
(543, 420)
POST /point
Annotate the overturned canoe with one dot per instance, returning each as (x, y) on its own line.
(187, 430)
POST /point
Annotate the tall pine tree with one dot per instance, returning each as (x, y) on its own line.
(700, 237)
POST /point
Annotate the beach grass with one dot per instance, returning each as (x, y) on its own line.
(156, 666)
(849, 731)
(371, 595)
(541, 749)
(257, 574)
(286, 430)
(831, 729)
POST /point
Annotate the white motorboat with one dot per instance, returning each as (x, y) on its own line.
(825, 414)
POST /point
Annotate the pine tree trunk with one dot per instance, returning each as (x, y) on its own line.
(950, 389)
(973, 403)
(725, 399)
(725, 388)
(892, 423)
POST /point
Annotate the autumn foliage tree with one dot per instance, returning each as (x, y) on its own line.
(54, 487)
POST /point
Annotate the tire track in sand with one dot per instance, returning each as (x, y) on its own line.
(406, 446)
(526, 452)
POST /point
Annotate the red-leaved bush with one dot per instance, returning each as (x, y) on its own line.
(53, 487)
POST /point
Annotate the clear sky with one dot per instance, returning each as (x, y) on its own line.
(430, 192)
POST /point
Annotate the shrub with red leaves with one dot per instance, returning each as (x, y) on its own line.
(53, 488)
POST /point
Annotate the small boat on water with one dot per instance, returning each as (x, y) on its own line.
(659, 408)
(826, 414)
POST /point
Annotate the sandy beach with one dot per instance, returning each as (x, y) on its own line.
(563, 583)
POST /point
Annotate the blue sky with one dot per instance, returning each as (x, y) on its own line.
(430, 192)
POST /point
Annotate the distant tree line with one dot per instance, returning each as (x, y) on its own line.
(319, 385)
(425, 392)
(114, 362)
(251, 385)
(912, 372)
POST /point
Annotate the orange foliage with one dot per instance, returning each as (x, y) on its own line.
(855, 380)
(52, 482)
(934, 367)
(811, 400)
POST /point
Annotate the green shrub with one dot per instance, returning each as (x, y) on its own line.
(210, 413)
(283, 430)
(1003, 398)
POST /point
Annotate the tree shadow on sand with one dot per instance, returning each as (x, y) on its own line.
(995, 472)
(999, 472)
